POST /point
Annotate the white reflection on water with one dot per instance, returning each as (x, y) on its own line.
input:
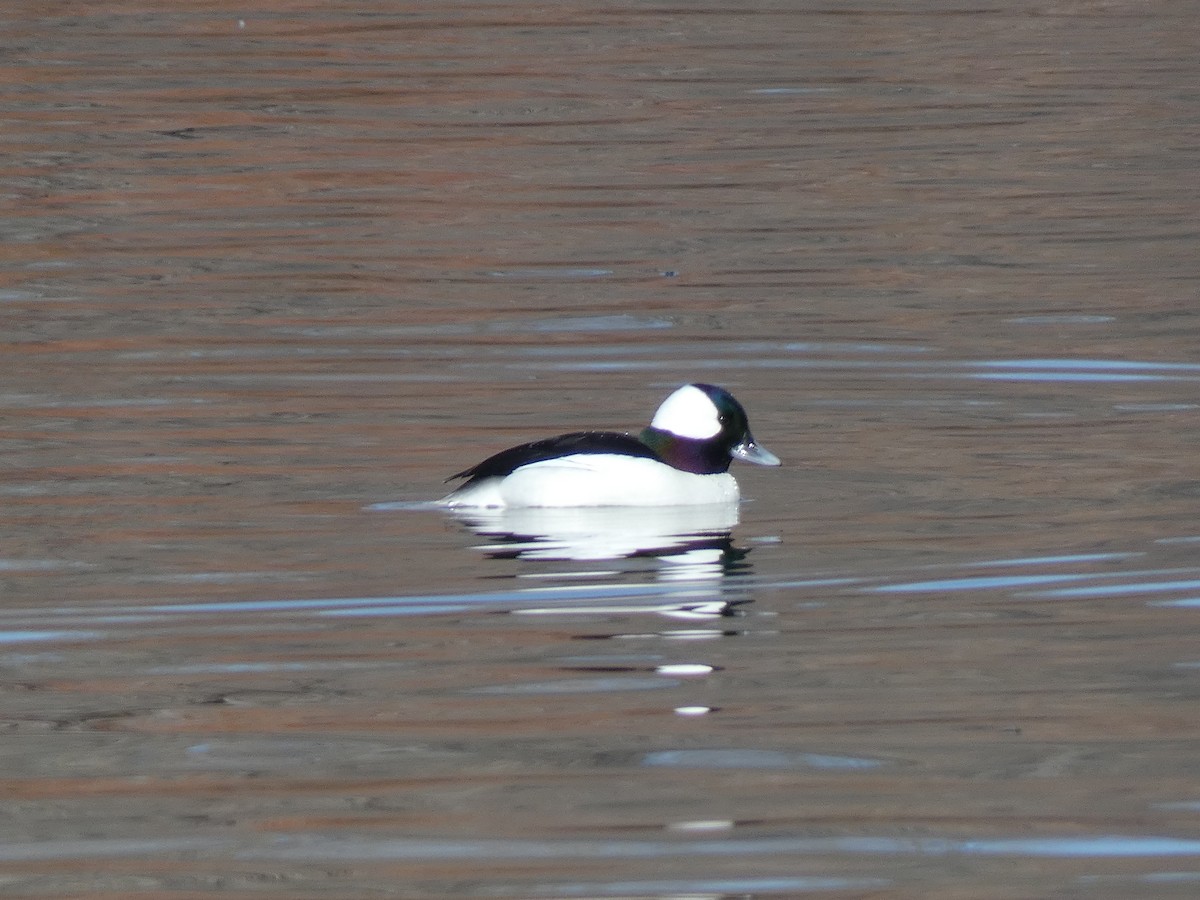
(1067, 370)
(36, 565)
(789, 91)
(708, 889)
(695, 573)
(244, 668)
(1092, 365)
(886, 359)
(1050, 560)
(597, 533)
(318, 848)
(1062, 319)
(550, 272)
(976, 583)
(29, 637)
(1108, 846)
(1117, 590)
(674, 599)
(315, 847)
(756, 759)
(1159, 878)
(689, 546)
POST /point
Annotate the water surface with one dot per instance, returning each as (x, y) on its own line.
(270, 275)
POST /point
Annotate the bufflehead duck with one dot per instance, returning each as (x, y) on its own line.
(682, 459)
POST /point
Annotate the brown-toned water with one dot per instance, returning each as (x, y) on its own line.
(270, 273)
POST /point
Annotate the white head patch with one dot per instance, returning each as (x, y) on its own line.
(688, 413)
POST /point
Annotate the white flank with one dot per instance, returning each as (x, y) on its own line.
(598, 479)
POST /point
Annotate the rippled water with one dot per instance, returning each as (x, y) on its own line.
(268, 276)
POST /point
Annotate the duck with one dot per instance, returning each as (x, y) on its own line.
(681, 459)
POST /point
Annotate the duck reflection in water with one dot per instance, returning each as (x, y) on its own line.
(686, 543)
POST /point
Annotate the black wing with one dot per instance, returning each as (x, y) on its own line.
(506, 461)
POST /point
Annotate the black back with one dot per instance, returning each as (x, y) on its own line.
(506, 461)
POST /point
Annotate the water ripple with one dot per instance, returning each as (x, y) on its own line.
(313, 848)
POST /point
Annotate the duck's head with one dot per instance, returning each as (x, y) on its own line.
(701, 428)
